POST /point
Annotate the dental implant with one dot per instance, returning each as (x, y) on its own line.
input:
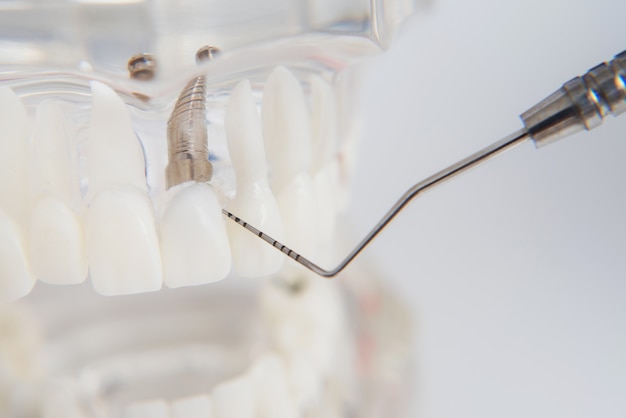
(187, 138)
(142, 67)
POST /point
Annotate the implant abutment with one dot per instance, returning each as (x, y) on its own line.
(187, 138)
(142, 66)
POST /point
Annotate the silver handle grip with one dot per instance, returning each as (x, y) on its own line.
(582, 103)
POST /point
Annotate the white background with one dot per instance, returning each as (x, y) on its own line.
(516, 272)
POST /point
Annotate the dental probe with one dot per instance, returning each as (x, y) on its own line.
(580, 104)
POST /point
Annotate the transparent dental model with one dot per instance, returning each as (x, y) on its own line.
(121, 145)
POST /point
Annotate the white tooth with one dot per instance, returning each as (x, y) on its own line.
(60, 400)
(57, 253)
(286, 128)
(14, 158)
(254, 201)
(195, 407)
(194, 243)
(55, 155)
(272, 395)
(298, 325)
(326, 183)
(305, 379)
(234, 399)
(16, 279)
(122, 244)
(115, 155)
(323, 123)
(324, 164)
(298, 206)
(148, 409)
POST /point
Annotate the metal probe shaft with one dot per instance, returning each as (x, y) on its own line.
(419, 188)
(582, 103)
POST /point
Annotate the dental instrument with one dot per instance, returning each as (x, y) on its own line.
(580, 104)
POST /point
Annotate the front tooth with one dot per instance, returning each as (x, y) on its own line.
(16, 279)
(194, 243)
(148, 409)
(298, 206)
(120, 232)
(254, 200)
(286, 128)
(55, 155)
(115, 154)
(57, 253)
(14, 158)
(195, 407)
(122, 245)
(272, 395)
(234, 399)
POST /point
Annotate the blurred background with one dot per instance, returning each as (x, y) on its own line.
(516, 272)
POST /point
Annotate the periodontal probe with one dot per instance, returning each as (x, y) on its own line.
(580, 104)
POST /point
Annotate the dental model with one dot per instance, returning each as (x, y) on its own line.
(57, 252)
(287, 134)
(194, 243)
(131, 238)
(254, 200)
(16, 277)
(120, 230)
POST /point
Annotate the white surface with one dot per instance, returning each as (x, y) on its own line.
(194, 243)
(254, 200)
(517, 271)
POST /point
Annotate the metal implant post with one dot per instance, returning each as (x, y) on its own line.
(142, 67)
(187, 139)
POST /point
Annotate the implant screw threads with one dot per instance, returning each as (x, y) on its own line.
(142, 67)
(207, 52)
(187, 138)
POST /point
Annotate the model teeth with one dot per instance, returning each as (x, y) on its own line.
(196, 407)
(234, 399)
(254, 200)
(120, 231)
(115, 156)
(272, 392)
(16, 279)
(194, 243)
(54, 233)
(57, 253)
(325, 166)
(149, 409)
(122, 244)
(286, 127)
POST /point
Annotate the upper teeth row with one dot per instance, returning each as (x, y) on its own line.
(49, 231)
